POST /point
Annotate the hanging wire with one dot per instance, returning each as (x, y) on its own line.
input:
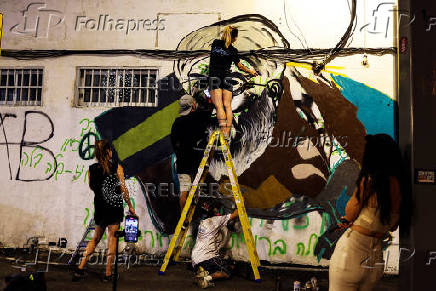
(290, 30)
(284, 55)
(317, 67)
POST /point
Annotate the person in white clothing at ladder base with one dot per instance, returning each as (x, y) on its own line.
(206, 259)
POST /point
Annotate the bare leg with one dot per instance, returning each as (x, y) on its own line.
(112, 243)
(98, 233)
(219, 275)
(182, 199)
(217, 99)
(227, 102)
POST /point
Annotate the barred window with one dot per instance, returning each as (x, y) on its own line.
(113, 87)
(21, 86)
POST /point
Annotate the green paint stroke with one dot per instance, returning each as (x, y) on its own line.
(151, 235)
(282, 250)
(148, 132)
(87, 216)
(300, 248)
(285, 224)
(311, 247)
(304, 225)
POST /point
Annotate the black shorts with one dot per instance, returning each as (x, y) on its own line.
(215, 265)
(220, 82)
(103, 224)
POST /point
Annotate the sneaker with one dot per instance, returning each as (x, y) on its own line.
(227, 138)
(201, 273)
(205, 282)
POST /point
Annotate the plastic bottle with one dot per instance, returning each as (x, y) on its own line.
(297, 286)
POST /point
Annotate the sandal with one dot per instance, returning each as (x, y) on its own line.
(79, 274)
(109, 278)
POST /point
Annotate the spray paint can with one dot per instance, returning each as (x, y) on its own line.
(297, 286)
(314, 282)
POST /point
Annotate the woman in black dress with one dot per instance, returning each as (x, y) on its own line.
(222, 55)
(106, 179)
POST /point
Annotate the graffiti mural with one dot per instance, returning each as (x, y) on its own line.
(299, 138)
(299, 129)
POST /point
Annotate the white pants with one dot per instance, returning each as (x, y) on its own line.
(357, 262)
(185, 182)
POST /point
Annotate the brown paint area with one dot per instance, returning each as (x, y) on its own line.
(340, 115)
(269, 179)
(273, 168)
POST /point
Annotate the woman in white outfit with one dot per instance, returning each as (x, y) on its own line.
(373, 210)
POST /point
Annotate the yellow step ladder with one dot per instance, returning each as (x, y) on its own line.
(192, 199)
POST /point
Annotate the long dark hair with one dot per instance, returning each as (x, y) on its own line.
(381, 161)
(102, 149)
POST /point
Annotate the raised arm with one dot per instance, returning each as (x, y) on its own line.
(124, 190)
(245, 69)
(234, 214)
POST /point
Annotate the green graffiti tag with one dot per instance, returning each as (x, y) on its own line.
(313, 240)
(304, 225)
(281, 250)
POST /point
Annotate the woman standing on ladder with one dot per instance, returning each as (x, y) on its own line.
(221, 57)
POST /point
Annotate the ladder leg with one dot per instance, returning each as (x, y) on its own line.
(179, 247)
(191, 211)
(91, 226)
(243, 217)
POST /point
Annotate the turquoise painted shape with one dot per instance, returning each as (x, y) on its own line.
(342, 201)
(375, 109)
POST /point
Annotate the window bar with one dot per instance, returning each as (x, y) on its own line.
(91, 88)
(28, 88)
(7, 85)
(14, 96)
(156, 87)
(141, 99)
(107, 85)
(37, 85)
(83, 85)
(148, 85)
(116, 89)
(131, 87)
(99, 83)
(124, 86)
(21, 86)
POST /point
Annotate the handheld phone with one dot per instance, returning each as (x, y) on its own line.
(131, 229)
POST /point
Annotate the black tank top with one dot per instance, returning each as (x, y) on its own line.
(108, 200)
(221, 58)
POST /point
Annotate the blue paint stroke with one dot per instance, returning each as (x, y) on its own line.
(342, 201)
(375, 109)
